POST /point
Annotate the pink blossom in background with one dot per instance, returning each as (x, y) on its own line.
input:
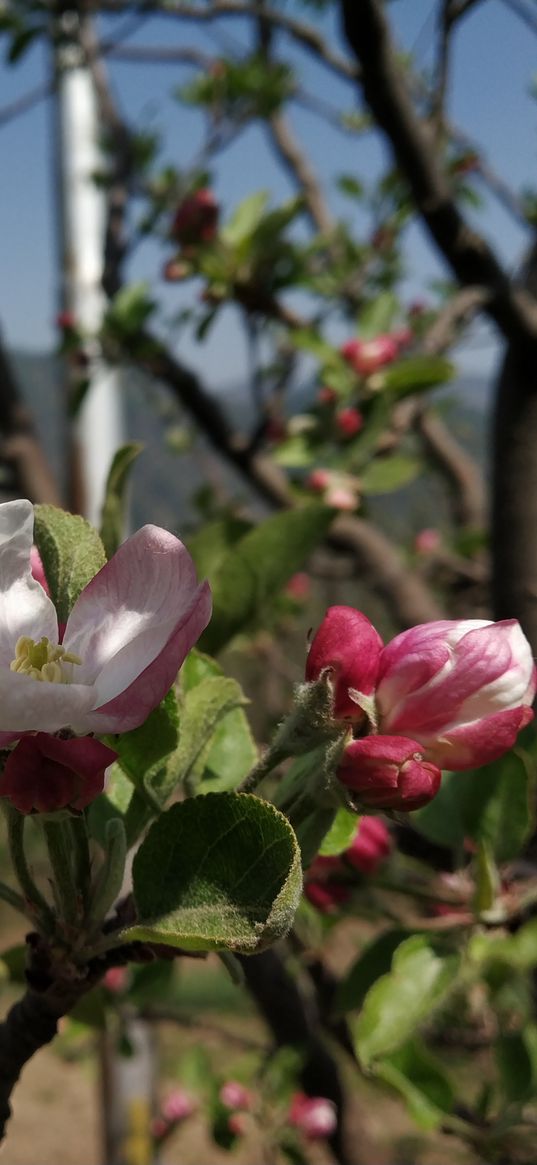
(327, 395)
(389, 772)
(319, 480)
(237, 1124)
(341, 498)
(462, 688)
(367, 356)
(348, 645)
(371, 846)
(125, 640)
(177, 1106)
(349, 421)
(427, 541)
(299, 586)
(233, 1094)
(196, 218)
(325, 886)
(44, 773)
(117, 980)
(315, 1116)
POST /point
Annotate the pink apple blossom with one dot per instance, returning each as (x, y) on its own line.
(44, 773)
(367, 356)
(315, 1116)
(349, 421)
(427, 541)
(370, 846)
(389, 772)
(327, 884)
(233, 1094)
(463, 689)
(177, 1106)
(346, 644)
(124, 642)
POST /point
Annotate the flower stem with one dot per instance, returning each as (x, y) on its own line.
(35, 905)
(269, 760)
(60, 851)
(13, 899)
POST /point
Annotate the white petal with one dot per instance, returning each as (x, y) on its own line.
(28, 705)
(127, 613)
(25, 609)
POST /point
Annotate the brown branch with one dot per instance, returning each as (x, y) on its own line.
(298, 165)
(450, 321)
(469, 256)
(25, 103)
(460, 470)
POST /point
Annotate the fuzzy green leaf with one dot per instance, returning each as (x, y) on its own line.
(71, 552)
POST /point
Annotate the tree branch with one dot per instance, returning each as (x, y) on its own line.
(298, 165)
(466, 252)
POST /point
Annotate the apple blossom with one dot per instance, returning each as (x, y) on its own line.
(389, 772)
(196, 218)
(45, 773)
(370, 847)
(367, 356)
(349, 421)
(346, 644)
(427, 541)
(461, 688)
(125, 639)
(315, 1116)
(233, 1094)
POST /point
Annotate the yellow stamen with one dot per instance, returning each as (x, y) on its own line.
(43, 661)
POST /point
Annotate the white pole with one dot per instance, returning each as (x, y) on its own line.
(100, 426)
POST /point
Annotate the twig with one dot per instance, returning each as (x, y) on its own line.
(299, 167)
(466, 252)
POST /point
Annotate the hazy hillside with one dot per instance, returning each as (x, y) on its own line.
(165, 481)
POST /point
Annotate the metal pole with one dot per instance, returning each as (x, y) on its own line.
(100, 427)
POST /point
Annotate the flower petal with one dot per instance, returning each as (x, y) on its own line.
(132, 610)
(28, 705)
(131, 707)
(472, 745)
(25, 609)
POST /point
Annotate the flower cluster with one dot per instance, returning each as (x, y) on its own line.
(125, 639)
(327, 883)
(447, 694)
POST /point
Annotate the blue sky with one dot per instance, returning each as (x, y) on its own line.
(494, 60)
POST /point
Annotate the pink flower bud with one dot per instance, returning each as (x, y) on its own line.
(177, 1106)
(462, 688)
(65, 321)
(427, 541)
(371, 846)
(326, 896)
(237, 1124)
(347, 644)
(349, 422)
(315, 1116)
(327, 396)
(173, 271)
(389, 772)
(46, 773)
(367, 356)
(233, 1094)
(341, 498)
(117, 980)
(318, 480)
(196, 218)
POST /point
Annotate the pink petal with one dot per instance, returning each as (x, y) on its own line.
(131, 707)
(480, 742)
(130, 615)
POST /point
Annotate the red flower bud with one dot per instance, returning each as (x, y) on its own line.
(427, 541)
(367, 356)
(65, 321)
(389, 772)
(347, 644)
(327, 396)
(313, 1115)
(299, 586)
(196, 218)
(349, 422)
(370, 847)
(46, 773)
(318, 480)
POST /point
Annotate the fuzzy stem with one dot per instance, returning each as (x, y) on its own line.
(60, 852)
(37, 906)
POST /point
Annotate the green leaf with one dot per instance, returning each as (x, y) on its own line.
(518, 951)
(203, 710)
(220, 872)
(442, 821)
(120, 800)
(259, 566)
(517, 1066)
(130, 309)
(378, 316)
(295, 452)
(340, 835)
(374, 961)
(113, 511)
(71, 552)
(420, 1079)
(245, 219)
(496, 807)
(385, 474)
(417, 984)
(209, 545)
(416, 374)
(142, 753)
(350, 186)
(487, 880)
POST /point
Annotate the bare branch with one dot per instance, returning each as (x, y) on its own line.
(461, 471)
(298, 165)
(466, 252)
(25, 103)
(529, 18)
